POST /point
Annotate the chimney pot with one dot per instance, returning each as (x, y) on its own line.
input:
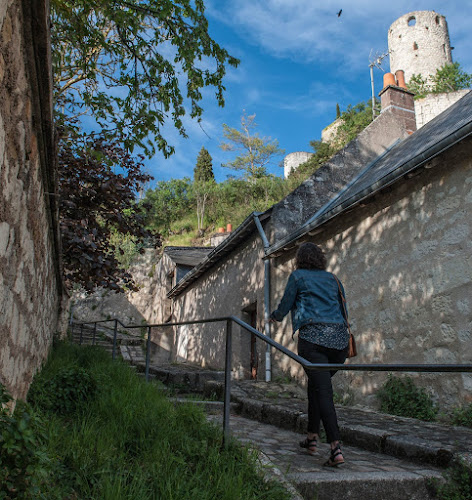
(389, 79)
(229, 228)
(221, 229)
(400, 76)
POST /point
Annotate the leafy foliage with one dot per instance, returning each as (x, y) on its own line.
(98, 182)
(463, 415)
(168, 202)
(255, 152)
(399, 396)
(458, 485)
(419, 86)
(233, 200)
(354, 120)
(203, 184)
(67, 391)
(323, 151)
(449, 78)
(23, 463)
(126, 63)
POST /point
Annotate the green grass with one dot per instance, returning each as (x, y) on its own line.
(126, 440)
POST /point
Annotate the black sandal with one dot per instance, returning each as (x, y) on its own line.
(310, 445)
(332, 462)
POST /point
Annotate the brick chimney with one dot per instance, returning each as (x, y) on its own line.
(396, 98)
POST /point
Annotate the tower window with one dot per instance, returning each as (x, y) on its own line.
(411, 21)
(437, 20)
(415, 46)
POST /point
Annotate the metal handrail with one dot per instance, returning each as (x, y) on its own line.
(421, 368)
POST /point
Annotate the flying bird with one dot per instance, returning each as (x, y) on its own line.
(340, 12)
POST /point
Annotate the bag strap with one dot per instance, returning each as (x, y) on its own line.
(343, 301)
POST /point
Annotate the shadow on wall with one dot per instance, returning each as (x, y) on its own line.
(228, 289)
(405, 261)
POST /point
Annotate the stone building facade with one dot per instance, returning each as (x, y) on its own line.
(404, 259)
(31, 289)
(403, 253)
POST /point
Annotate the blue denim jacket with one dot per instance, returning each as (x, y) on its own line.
(312, 296)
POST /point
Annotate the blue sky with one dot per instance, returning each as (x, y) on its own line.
(298, 59)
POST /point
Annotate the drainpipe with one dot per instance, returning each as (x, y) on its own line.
(266, 244)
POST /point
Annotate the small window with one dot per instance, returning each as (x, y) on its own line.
(415, 46)
(411, 21)
(438, 20)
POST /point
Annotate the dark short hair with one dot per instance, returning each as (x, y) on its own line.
(310, 256)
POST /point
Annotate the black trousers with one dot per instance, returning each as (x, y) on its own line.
(320, 389)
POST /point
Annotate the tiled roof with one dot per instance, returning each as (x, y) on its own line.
(187, 256)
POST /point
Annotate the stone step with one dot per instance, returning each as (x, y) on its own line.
(402, 437)
(366, 475)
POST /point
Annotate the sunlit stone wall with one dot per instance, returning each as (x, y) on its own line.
(30, 285)
(406, 261)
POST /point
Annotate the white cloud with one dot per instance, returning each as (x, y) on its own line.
(306, 31)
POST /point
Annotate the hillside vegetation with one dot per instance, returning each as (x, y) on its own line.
(186, 211)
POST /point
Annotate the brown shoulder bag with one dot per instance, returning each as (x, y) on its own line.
(352, 342)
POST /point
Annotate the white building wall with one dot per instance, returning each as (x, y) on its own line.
(432, 105)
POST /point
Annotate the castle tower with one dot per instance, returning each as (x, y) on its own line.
(293, 160)
(419, 43)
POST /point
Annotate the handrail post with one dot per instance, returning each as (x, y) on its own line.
(81, 333)
(148, 348)
(227, 397)
(115, 331)
(94, 332)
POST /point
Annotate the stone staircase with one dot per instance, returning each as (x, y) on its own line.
(128, 347)
(387, 457)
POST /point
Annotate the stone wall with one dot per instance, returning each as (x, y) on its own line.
(233, 286)
(434, 104)
(30, 284)
(405, 261)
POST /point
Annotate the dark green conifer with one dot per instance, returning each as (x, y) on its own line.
(203, 171)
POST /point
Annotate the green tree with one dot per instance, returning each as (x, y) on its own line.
(203, 185)
(338, 111)
(98, 181)
(168, 202)
(354, 120)
(449, 78)
(255, 152)
(134, 65)
(203, 171)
